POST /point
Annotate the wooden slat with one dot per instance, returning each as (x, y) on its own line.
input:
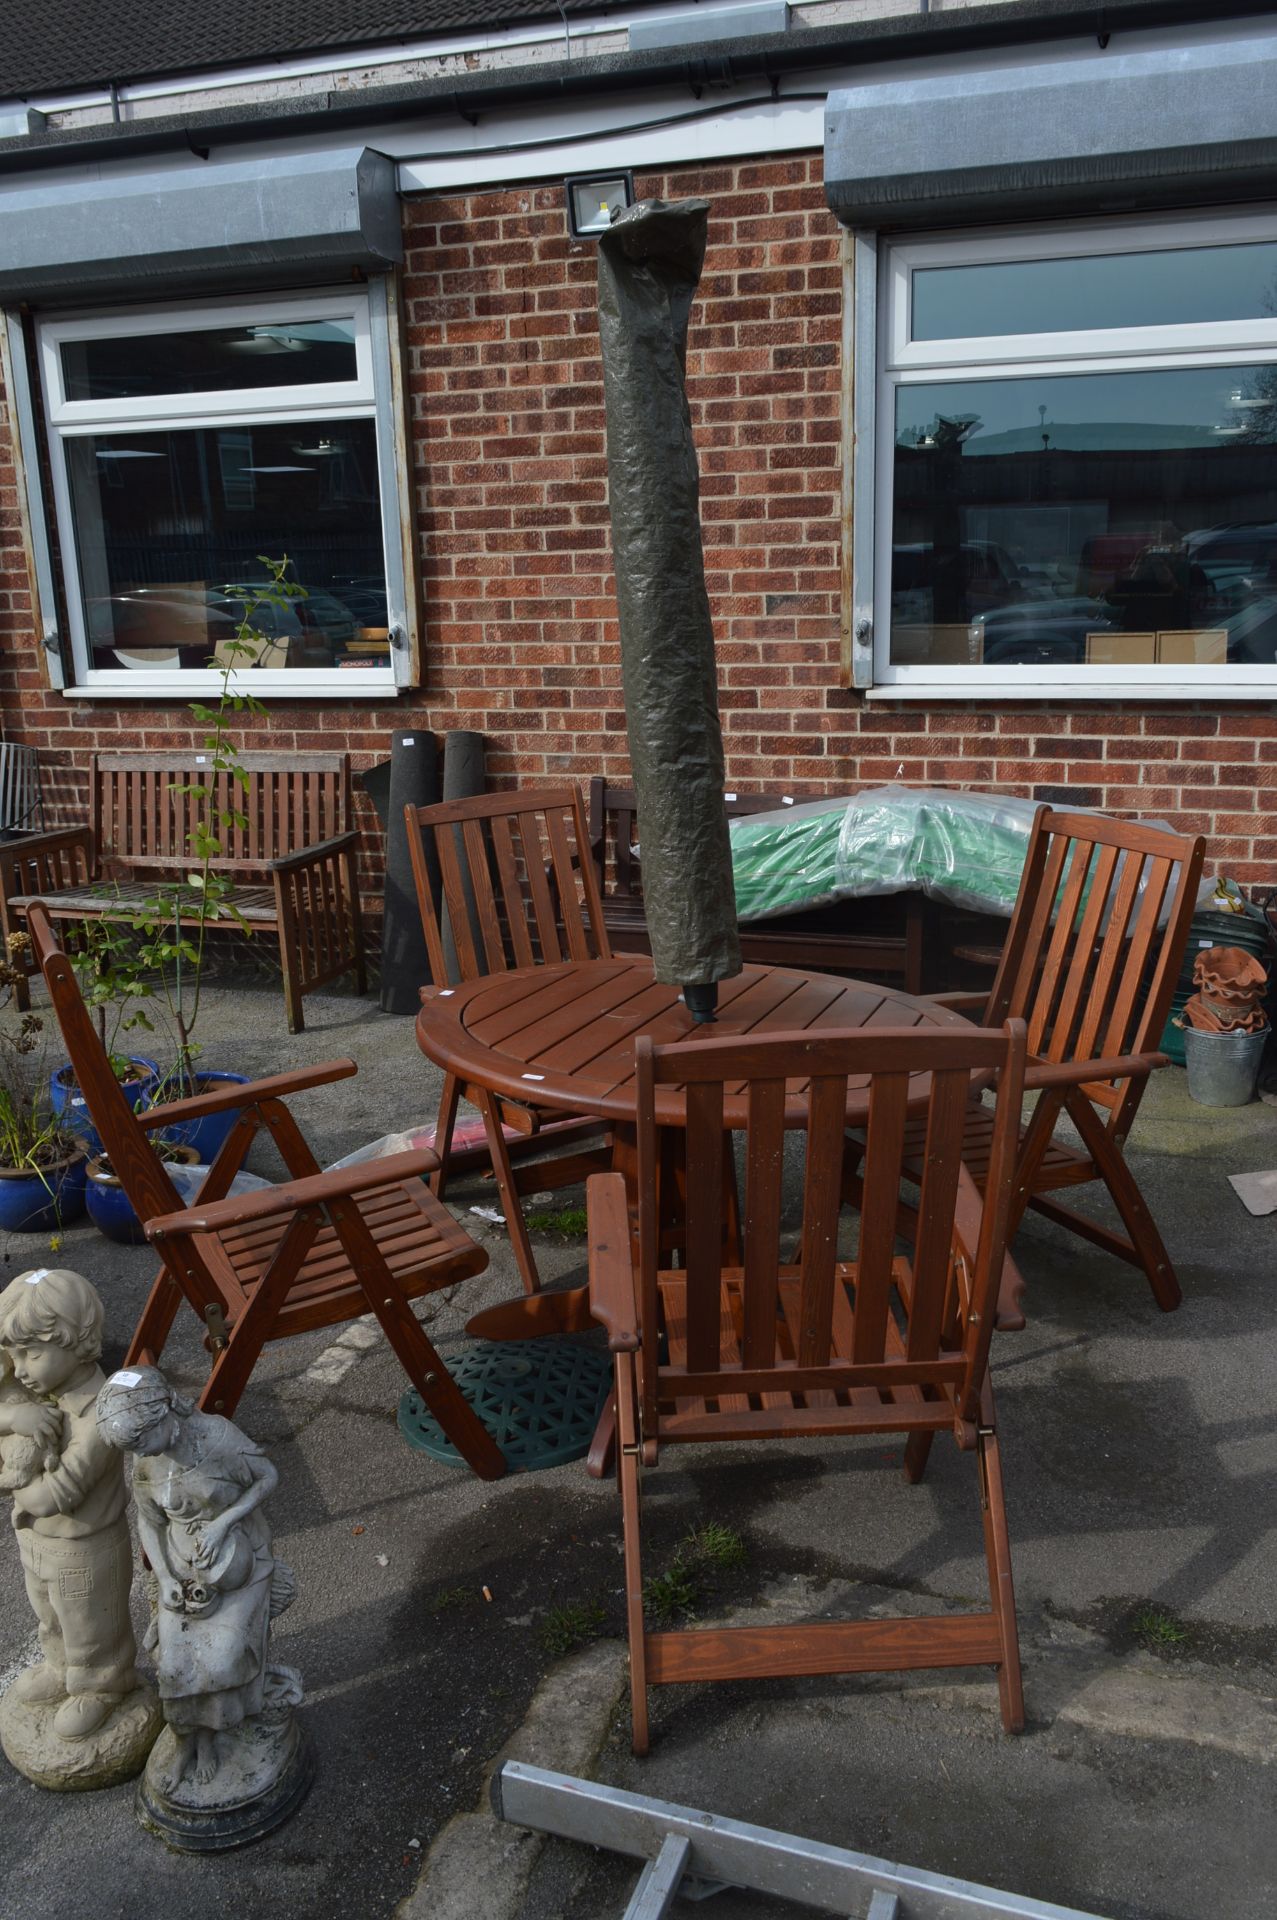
(825, 1646)
(933, 1243)
(822, 1199)
(704, 1222)
(485, 906)
(543, 911)
(888, 1105)
(511, 893)
(764, 1175)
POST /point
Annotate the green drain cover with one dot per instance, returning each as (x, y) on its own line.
(539, 1399)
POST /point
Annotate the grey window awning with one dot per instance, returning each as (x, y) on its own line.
(308, 214)
(1093, 130)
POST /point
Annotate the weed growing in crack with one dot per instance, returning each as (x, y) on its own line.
(565, 1628)
(1157, 1629)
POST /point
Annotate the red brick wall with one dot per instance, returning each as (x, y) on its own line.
(511, 498)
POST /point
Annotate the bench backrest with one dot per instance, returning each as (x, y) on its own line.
(142, 817)
(613, 816)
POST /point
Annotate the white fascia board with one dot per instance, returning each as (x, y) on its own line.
(589, 145)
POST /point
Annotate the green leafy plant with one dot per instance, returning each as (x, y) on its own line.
(681, 1590)
(1157, 1629)
(161, 972)
(673, 1595)
(32, 1138)
(567, 1627)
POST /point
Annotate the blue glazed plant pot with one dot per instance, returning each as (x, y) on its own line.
(70, 1106)
(210, 1135)
(33, 1202)
(110, 1208)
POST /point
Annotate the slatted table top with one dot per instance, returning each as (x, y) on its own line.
(563, 1036)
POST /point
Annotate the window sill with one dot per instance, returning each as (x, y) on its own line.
(355, 683)
(1079, 689)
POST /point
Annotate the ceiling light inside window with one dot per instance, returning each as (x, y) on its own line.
(268, 340)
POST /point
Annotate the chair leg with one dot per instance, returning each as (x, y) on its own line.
(1148, 1249)
(997, 1547)
(157, 1319)
(627, 1466)
(232, 1368)
(917, 1454)
(449, 1101)
(521, 1245)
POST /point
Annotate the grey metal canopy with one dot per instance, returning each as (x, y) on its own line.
(198, 222)
(1096, 130)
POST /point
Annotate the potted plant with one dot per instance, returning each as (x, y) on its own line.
(104, 968)
(42, 1163)
(159, 971)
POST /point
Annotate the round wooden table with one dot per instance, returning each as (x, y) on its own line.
(563, 1036)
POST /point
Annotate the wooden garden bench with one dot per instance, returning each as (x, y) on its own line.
(292, 864)
(861, 936)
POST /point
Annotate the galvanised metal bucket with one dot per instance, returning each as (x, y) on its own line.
(1223, 1067)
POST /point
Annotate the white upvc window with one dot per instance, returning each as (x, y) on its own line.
(1072, 459)
(189, 443)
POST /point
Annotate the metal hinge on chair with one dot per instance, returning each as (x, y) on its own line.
(215, 1320)
(678, 1842)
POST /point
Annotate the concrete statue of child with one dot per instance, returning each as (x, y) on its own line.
(231, 1764)
(81, 1717)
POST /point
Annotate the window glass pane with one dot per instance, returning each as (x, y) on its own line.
(1102, 290)
(169, 524)
(1097, 518)
(285, 353)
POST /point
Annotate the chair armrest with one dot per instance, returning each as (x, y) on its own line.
(972, 1003)
(289, 862)
(274, 1087)
(12, 852)
(315, 1190)
(1078, 1073)
(611, 1274)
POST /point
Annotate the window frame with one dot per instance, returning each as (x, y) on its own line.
(903, 362)
(373, 394)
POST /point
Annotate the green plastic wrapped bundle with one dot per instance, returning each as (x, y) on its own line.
(964, 848)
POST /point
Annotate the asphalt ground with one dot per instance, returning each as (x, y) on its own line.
(1139, 1450)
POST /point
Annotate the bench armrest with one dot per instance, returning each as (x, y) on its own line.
(321, 850)
(226, 1098)
(611, 1274)
(313, 1190)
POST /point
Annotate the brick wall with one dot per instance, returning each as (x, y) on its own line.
(511, 500)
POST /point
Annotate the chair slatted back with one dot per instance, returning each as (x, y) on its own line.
(1097, 936)
(516, 882)
(143, 816)
(205, 1273)
(788, 1336)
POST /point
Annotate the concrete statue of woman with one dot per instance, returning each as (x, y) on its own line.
(231, 1764)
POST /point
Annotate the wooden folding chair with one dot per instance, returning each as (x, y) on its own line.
(317, 1250)
(804, 1343)
(1090, 965)
(519, 890)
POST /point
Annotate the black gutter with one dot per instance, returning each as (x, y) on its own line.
(715, 67)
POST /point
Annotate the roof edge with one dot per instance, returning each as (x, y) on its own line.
(707, 65)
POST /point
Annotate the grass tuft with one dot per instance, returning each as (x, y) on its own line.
(1157, 1629)
(569, 1223)
(567, 1627)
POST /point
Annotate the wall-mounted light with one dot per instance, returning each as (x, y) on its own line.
(593, 198)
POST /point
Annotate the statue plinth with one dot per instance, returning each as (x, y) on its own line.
(115, 1752)
(264, 1772)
